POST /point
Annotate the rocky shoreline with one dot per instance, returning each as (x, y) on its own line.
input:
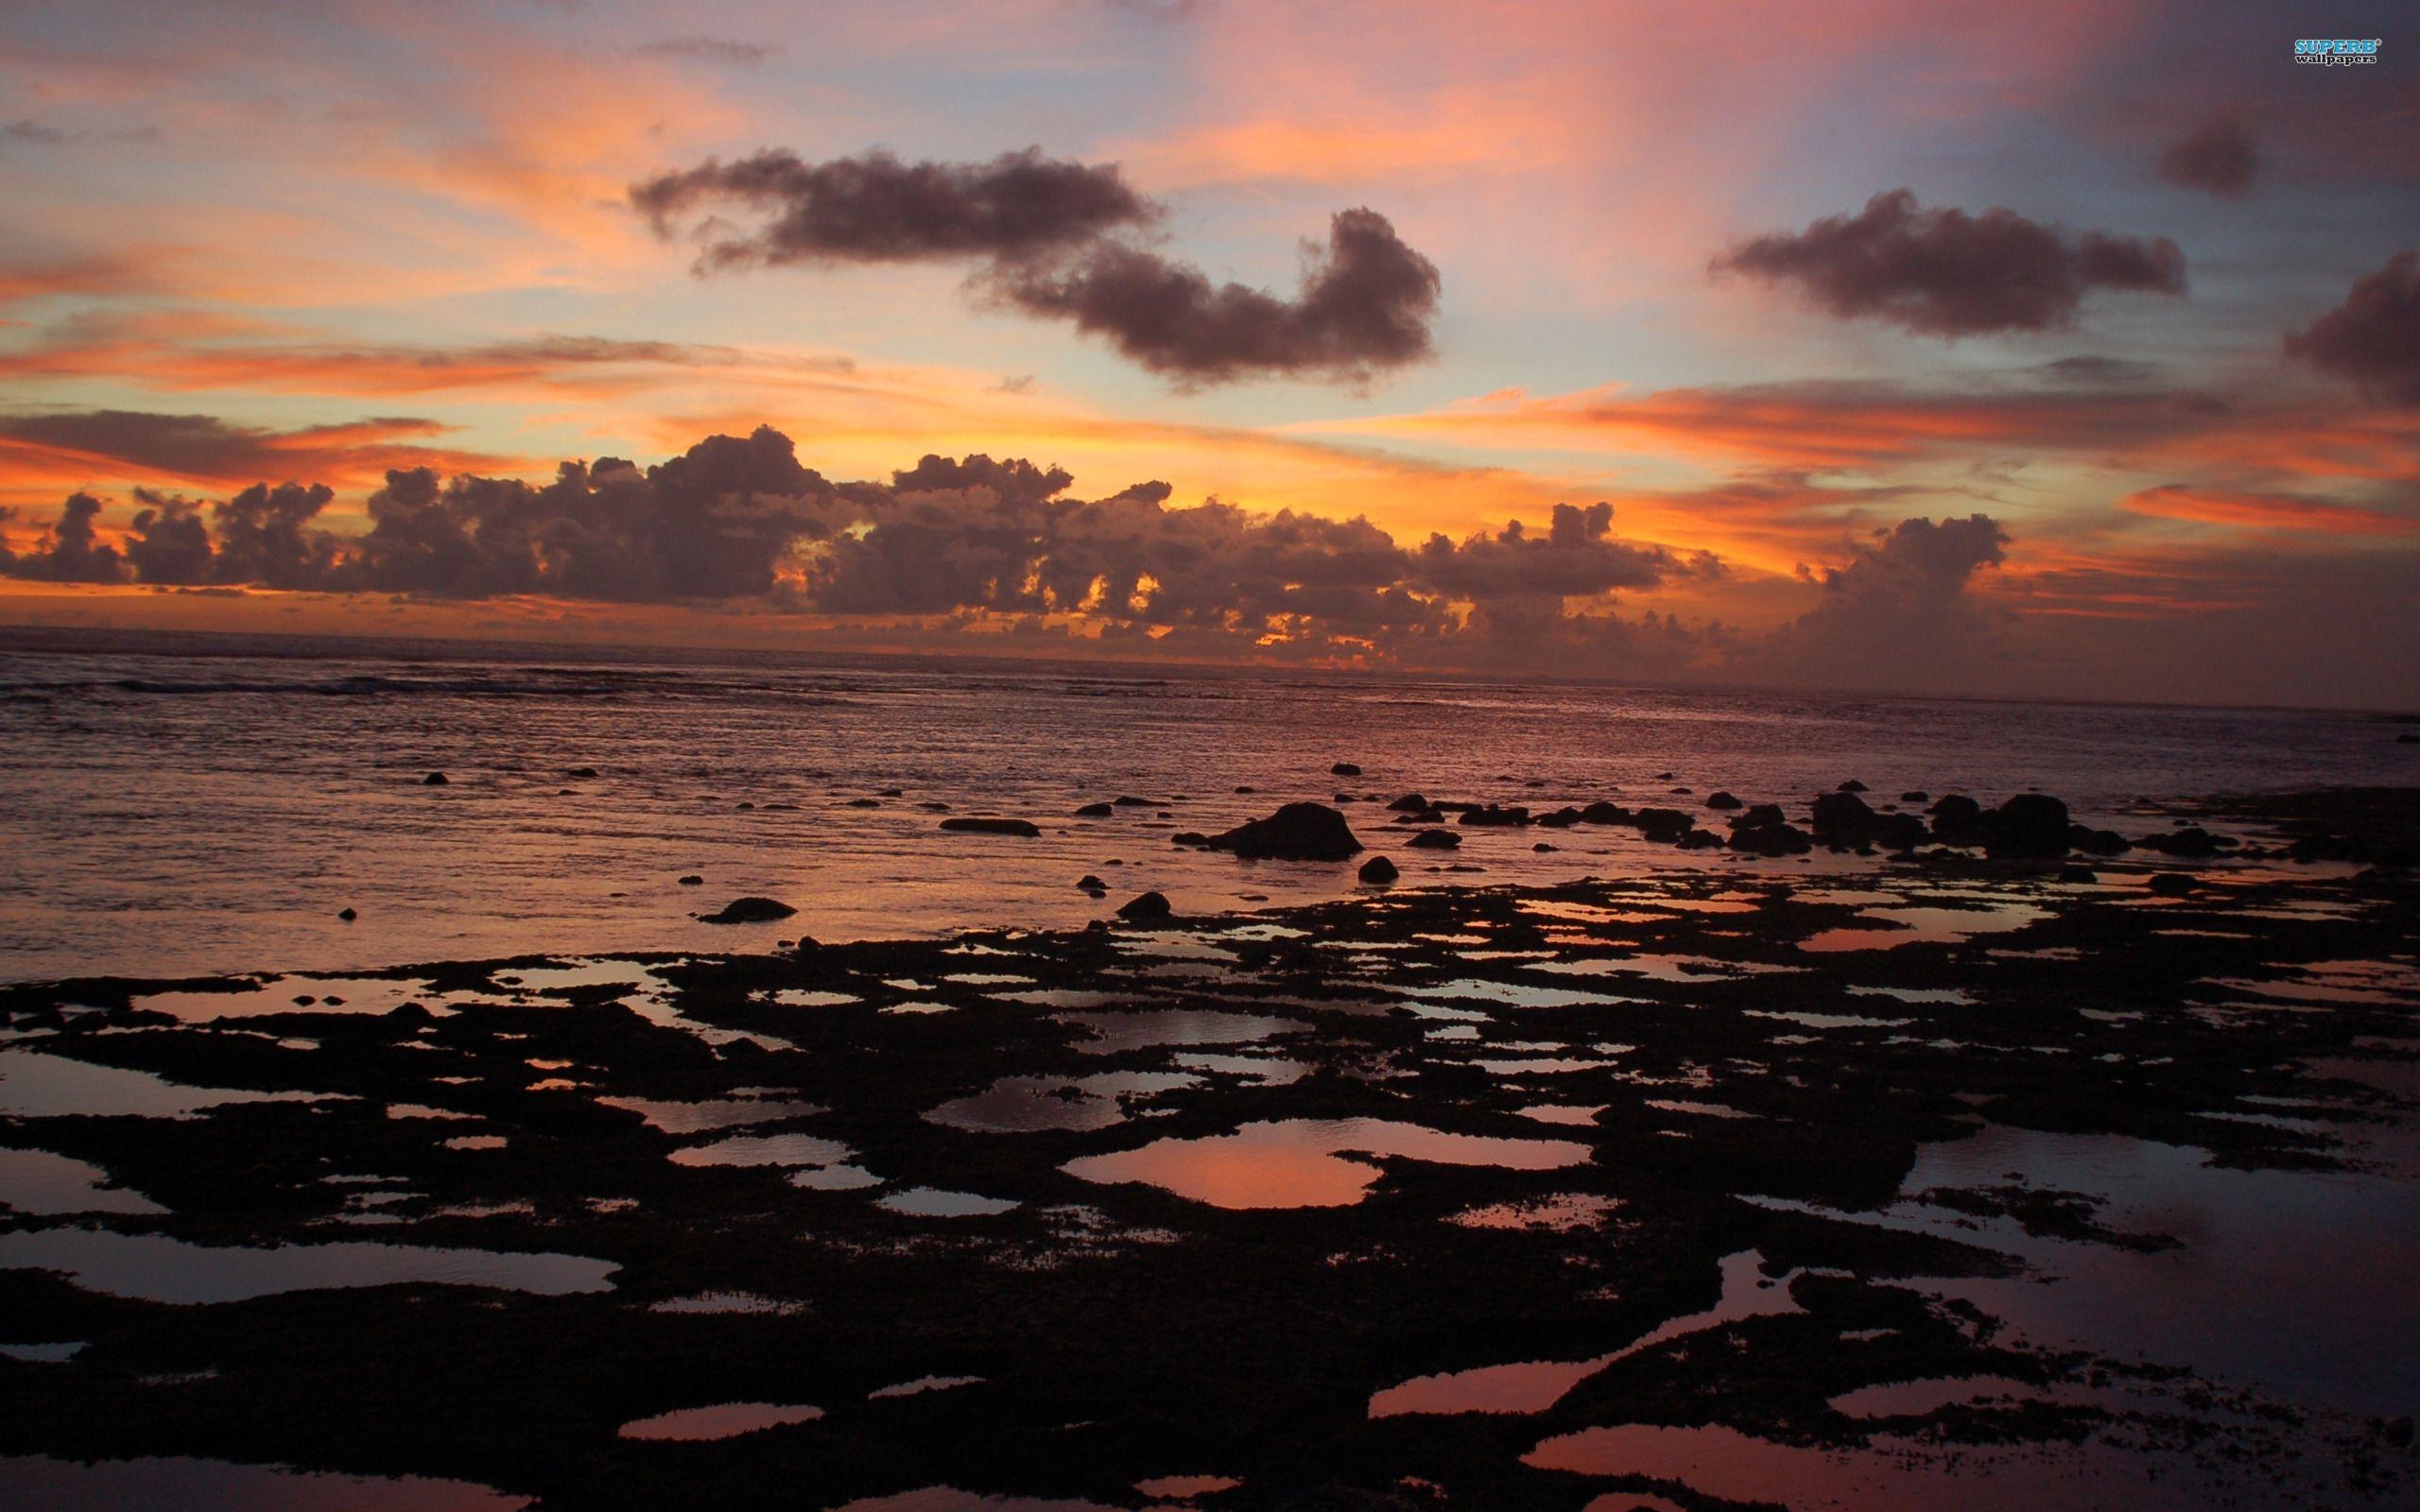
(1180, 1209)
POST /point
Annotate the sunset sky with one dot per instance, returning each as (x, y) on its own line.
(2060, 348)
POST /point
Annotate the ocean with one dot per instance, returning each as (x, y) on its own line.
(179, 807)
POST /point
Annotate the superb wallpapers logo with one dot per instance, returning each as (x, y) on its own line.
(2336, 52)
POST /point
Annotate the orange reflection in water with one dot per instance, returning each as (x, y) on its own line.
(1301, 1163)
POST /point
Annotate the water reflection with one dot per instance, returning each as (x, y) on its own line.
(1300, 1162)
(725, 1421)
(159, 1269)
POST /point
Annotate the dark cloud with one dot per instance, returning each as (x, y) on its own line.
(1899, 612)
(1365, 305)
(169, 544)
(205, 446)
(265, 535)
(706, 49)
(27, 129)
(71, 550)
(1576, 557)
(1044, 235)
(1942, 272)
(878, 209)
(2373, 338)
(2223, 157)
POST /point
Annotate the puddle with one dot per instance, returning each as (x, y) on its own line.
(44, 1353)
(1300, 1162)
(1920, 925)
(1563, 1113)
(1953, 997)
(835, 1179)
(764, 1149)
(1113, 1032)
(932, 1202)
(922, 1384)
(37, 1181)
(1534, 1385)
(799, 997)
(1563, 1214)
(1181, 1488)
(158, 1269)
(36, 1085)
(1519, 995)
(712, 1114)
(285, 994)
(183, 1485)
(1019, 1104)
(693, 1425)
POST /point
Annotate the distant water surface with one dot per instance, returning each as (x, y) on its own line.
(181, 807)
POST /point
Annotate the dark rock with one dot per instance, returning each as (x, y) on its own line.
(1435, 840)
(1408, 803)
(1128, 800)
(1851, 785)
(890, 792)
(1247, 790)
(1088, 883)
(1146, 908)
(1563, 818)
(1843, 819)
(2397, 1431)
(1298, 831)
(1095, 811)
(865, 803)
(2094, 842)
(347, 915)
(1490, 814)
(1915, 794)
(2192, 843)
(2029, 826)
(1542, 845)
(1722, 800)
(1664, 777)
(2407, 740)
(581, 771)
(2172, 884)
(1663, 825)
(2078, 874)
(1424, 817)
(1759, 816)
(1763, 832)
(1379, 869)
(1605, 813)
(434, 780)
(1190, 838)
(692, 880)
(1023, 829)
(1680, 792)
(1900, 832)
(748, 910)
(1344, 769)
(743, 804)
(1957, 819)
(1701, 840)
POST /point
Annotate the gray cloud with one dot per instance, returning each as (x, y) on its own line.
(706, 49)
(2373, 338)
(1044, 237)
(878, 209)
(2222, 157)
(1899, 611)
(1942, 272)
(1365, 305)
(71, 550)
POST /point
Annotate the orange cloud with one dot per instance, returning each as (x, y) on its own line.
(2267, 511)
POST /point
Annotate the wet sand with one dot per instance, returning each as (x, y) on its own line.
(1928, 1184)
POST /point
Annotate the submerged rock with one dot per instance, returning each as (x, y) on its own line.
(1298, 831)
(1344, 769)
(434, 780)
(748, 910)
(1088, 883)
(1379, 869)
(1023, 829)
(1435, 840)
(347, 915)
(1722, 800)
(1488, 814)
(1095, 811)
(1409, 803)
(581, 771)
(692, 880)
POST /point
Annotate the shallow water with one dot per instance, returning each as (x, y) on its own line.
(1301, 1164)
(183, 1485)
(219, 809)
(160, 1269)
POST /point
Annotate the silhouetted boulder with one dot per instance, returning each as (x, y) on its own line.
(1663, 825)
(1605, 813)
(1957, 819)
(1023, 829)
(1298, 831)
(1435, 840)
(1095, 811)
(1915, 794)
(1899, 832)
(1147, 908)
(1842, 819)
(2172, 884)
(2192, 843)
(1562, 819)
(1424, 817)
(1701, 840)
(1408, 803)
(1344, 769)
(1128, 800)
(2094, 842)
(347, 914)
(2031, 825)
(1763, 833)
(2078, 874)
(434, 780)
(1088, 883)
(1194, 838)
(581, 772)
(692, 880)
(865, 803)
(1379, 869)
(1851, 785)
(1508, 816)
(1759, 815)
(748, 910)
(1723, 800)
